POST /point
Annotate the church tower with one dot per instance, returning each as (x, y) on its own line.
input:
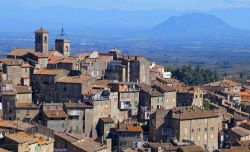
(63, 44)
(41, 41)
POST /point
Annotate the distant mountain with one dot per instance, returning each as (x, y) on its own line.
(196, 25)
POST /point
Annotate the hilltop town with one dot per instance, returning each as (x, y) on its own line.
(102, 102)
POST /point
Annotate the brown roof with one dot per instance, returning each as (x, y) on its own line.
(235, 149)
(41, 30)
(148, 89)
(4, 150)
(14, 125)
(89, 145)
(13, 62)
(20, 52)
(68, 137)
(107, 119)
(26, 65)
(55, 113)
(71, 105)
(26, 105)
(23, 90)
(164, 87)
(223, 83)
(189, 113)
(191, 148)
(21, 137)
(76, 79)
(240, 131)
(127, 127)
(49, 72)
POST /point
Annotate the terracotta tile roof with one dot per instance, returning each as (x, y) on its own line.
(22, 137)
(127, 127)
(39, 54)
(223, 83)
(189, 113)
(13, 62)
(26, 65)
(49, 72)
(55, 59)
(71, 105)
(68, 60)
(191, 148)
(102, 82)
(231, 93)
(23, 89)
(55, 113)
(89, 145)
(245, 93)
(55, 53)
(4, 150)
(76, 79)
(26, 105)
(164, 87)
(20, 52)
(107, 119)
(14, 125)
(148, 89)
(82, 55)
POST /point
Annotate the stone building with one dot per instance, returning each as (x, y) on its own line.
(223, 85)
(71, 88)
(80, 117)
(94, 64)
(12, 70)
(169, 101)
(126, 135)
(62, 44)
(128, 97)
(186, 124)
(53, 117)
(192, 96)
(44, 84)
(197, 125)
(41, 41)
(104, 126)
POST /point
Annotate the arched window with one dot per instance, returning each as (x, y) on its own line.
(39, 39)
(67, 48)
(45, 39)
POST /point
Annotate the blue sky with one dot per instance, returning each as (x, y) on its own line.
(130, 4)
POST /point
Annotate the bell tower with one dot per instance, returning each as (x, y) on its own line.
(62, 44)
(41, 41)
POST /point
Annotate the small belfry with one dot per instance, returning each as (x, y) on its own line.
(62, 44)
(41, 41)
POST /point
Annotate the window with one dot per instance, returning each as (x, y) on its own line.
(198, 129)
(205, 129)
(62, 125)
(186, 131)
(205, 137)
(212, 128)
(212, 136)
(192, 130)
(45, 39)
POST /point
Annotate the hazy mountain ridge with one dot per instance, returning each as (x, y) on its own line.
(197, 25)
